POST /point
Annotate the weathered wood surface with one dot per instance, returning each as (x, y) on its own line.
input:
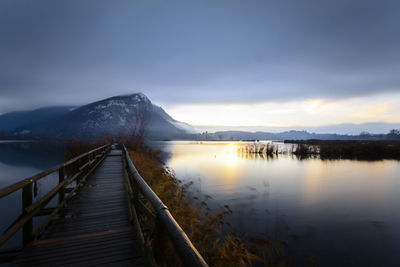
(94, 228)
(186, 250)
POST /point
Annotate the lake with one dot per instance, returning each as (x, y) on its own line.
(333, 212)
(336, 213)
(20, 160)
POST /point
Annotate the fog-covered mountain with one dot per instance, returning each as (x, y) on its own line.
(117, 115)
(130, 115)
(28, 119)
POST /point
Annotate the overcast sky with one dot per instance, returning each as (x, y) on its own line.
(274, 63)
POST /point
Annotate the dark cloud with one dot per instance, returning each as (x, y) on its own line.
(73, 52)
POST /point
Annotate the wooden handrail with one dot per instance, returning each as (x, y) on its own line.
(17, 186)
(186, 250)
(31, 209)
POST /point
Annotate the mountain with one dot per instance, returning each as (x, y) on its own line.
(292, 135)
(14, 120)
(117, 115)
(295, 135)
(128, 115)
(342, 129)
(355, 129)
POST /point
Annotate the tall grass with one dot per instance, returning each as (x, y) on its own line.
(268, 149)
(328, 149)
(211, 233)
(340, 149)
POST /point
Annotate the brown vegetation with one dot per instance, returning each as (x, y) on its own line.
(268, 149)
(210, 233)
(340, 149)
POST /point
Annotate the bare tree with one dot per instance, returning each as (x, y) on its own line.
(394, 134)
(135, 127)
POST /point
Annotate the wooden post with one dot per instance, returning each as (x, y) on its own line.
(88, 166)
(27, 229)
(158, 240)
(61, 177)
(79, 164)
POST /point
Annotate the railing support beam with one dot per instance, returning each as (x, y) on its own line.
(187, 252)
(61, 176)
(27, 229)
(38, 208)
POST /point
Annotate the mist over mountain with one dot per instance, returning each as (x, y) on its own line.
(13, 120)
(117, 115)
(132, 114)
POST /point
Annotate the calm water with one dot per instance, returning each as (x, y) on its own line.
(339, 212)
(20, 160)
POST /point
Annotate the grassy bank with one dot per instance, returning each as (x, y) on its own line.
(211, 233)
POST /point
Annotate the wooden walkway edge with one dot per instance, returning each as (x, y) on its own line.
(94, 229)
(95, 222)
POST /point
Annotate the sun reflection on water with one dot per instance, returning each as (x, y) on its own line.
(330, 196)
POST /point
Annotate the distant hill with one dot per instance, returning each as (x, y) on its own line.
(14, 120)
(131, 114)
(378, 127)
(293, 135)
(116, 115)
(296, 135)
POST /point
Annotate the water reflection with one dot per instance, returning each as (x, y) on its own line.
(338, 210)
(20, 160)
(38, 155)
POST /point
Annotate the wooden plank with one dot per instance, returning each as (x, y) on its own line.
(104, 254)
(83, 247)
(83, 241)
(93, 228)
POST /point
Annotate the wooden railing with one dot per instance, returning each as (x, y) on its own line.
(76, 169)
(164, 222)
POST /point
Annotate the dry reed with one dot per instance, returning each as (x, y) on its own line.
(211, 234)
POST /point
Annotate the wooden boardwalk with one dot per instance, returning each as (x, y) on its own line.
(94, 229)
(94, 222)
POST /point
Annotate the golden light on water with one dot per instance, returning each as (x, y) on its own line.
(220, 160)
(222, 164)
(230, 157)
